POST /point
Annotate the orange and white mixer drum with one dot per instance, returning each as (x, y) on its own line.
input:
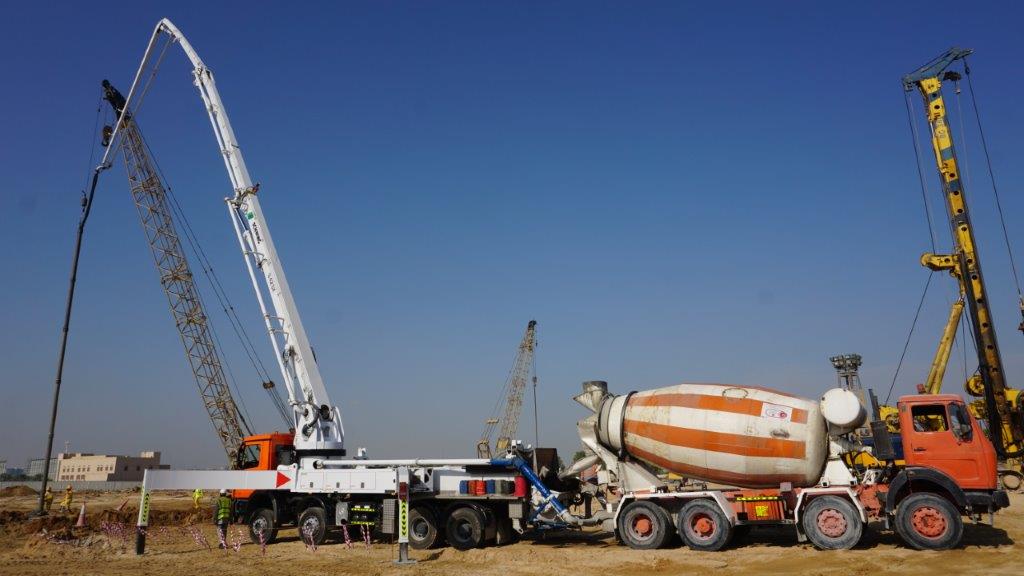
(736, 435)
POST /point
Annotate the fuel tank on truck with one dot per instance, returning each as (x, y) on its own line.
(743, 436)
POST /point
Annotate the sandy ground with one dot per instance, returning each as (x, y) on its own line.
(52, 547)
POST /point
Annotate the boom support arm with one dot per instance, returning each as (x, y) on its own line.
(318, 424)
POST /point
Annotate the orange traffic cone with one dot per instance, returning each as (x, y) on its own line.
(81, 517)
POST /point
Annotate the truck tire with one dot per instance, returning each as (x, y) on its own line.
(466, 528)
(832, 523)
(929, 522)
(702, 526)
(262, 530)
(423, 528)
(644, 525)
(313, 525)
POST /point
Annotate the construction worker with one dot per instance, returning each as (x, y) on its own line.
(69, 496)
(197, 497)
(112, 95)
(222, 517)
(48, 498)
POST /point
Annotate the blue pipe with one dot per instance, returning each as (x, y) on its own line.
(524, 468)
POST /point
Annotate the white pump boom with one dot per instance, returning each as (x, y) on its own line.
(318, 425)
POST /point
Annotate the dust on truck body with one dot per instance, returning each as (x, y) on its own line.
(785, 456)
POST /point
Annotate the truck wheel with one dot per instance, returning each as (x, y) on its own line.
(313, 525)
(261, 526)
(423, 532)
(644, 525)
(832, 523)
(929, 522)
(703, 526)
(465, 528)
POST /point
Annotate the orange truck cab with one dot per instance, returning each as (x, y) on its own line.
(263, 452)
(950, 470)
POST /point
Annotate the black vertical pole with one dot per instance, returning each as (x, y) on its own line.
(86, 207)
(536, 423)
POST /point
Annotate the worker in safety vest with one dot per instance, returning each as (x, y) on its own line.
(222, 517)
(69, 496)
(197, 497)
(48, 498)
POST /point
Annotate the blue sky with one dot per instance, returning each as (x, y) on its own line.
(675, 192)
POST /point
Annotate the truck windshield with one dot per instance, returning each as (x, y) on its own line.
(961, 422)
(930, 418)
(249, 457)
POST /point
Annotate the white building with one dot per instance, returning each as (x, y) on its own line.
(102, 467)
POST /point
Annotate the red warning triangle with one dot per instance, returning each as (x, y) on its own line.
(282, 480)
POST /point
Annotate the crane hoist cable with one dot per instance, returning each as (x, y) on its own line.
(910, 335)
(915, 140)
(995, 188)
(225, 304)
(178, 216)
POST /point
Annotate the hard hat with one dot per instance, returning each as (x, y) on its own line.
(223, 491)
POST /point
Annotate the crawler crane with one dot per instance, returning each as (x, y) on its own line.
(511, 404)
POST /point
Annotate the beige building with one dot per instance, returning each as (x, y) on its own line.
(101, 467)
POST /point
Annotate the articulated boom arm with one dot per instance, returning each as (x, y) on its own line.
(318, 423)
(964, 264)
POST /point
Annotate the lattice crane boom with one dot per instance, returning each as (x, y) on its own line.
(511, 404)
(190, 318)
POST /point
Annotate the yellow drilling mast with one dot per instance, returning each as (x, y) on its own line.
(998, 404)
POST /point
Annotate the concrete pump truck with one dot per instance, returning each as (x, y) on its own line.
(301, 478)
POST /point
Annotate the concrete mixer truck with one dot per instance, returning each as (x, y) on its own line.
(764, 457)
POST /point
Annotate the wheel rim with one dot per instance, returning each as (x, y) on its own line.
(311, 527)
(832, 523)
(929, 522)
(464, 531)
(702, 526)
(642, 526)
(419, 529)
(259, 525)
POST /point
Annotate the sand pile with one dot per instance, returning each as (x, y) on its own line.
(18, 491)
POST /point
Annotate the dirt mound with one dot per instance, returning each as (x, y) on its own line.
(18, 491)
(11, 517)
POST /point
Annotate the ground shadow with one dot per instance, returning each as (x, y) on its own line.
(975, 535)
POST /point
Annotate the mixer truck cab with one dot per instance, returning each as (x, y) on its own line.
(950, 471)
(762, 457)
